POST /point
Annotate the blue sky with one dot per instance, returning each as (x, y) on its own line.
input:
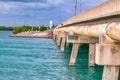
(40, 12)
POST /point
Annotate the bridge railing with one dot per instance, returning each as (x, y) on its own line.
(108, 8)
(100, 27)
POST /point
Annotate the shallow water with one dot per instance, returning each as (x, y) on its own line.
(40, 59)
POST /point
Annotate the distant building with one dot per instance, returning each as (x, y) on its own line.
(50, 24)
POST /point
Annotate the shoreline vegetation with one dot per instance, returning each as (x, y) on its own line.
(4, 28)
(28, 28)
(29, 31)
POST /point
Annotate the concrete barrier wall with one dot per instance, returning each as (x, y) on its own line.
(108, 8)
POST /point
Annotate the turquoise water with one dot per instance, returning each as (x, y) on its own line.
(40, 59)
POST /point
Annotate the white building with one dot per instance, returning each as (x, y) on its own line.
(51, 24)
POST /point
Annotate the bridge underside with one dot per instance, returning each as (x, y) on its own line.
(100, 27)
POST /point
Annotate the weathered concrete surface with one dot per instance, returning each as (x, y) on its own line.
(114, 31)
(74, 54)
(111, 29)
(104, 18)
(109, 8)
(102, 22)
(110, 73)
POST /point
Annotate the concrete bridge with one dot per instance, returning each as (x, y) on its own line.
(100, 27)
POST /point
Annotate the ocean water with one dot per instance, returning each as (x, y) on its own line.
(40, 59)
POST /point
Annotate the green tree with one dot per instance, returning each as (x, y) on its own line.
(28, 28)
(6, 28)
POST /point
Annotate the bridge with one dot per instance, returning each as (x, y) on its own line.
(100, 27)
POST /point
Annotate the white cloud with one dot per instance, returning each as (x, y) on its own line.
(58, 10)
(7, 6)
(21, 7)
(55, 2)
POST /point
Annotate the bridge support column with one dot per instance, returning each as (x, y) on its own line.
(54, 37)
(63, 36)
(78, 39)
(110, 73)
(74, 54)
(62, 47)
(67, 44)
(58, 41)
(91, 54)
(108, 55)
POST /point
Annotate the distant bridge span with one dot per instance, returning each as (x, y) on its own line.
(100, 27)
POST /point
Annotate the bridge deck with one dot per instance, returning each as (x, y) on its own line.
(100, 27)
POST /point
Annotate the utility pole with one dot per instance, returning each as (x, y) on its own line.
(80, 6)
(75, 7)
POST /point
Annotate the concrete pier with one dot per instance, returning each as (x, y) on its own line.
(100, 28)
(74, 54)
(58, 40)
(91, 54)
(110, 73)
(62, 47)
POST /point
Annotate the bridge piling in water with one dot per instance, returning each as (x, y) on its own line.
(74, 54)
(100, 28)
(108, 55)
(54, 37)
(78, 39)
(66, 43)
(63, 41)
(102, 51)
(110, 73)
(91, 54)
(62, 47)
(58, 40)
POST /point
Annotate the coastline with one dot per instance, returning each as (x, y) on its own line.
(34, 34)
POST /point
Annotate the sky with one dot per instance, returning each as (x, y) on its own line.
(40, 12)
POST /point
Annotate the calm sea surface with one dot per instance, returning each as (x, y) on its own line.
(40, 59)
